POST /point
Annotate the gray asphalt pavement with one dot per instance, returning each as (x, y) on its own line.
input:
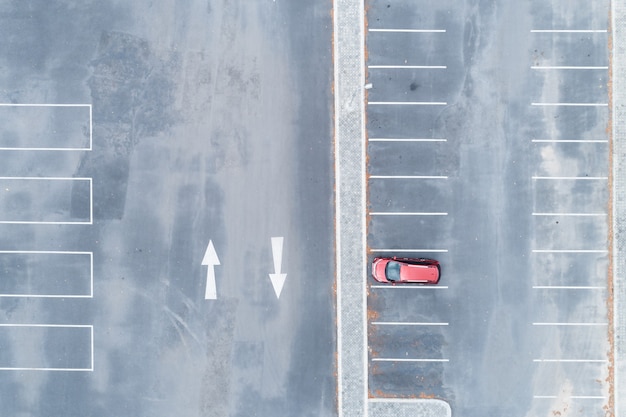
(133, 135)
(488, 150)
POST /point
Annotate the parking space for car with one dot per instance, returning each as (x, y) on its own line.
(404, 122)
(423, 232)
(494, 163)
(43, 202)
(425, 158)
(407, 337)
(408, 84)
(577, 269)
(408, 197)
(570, 232)
(413, 73)
(569, 182)
(567, 195)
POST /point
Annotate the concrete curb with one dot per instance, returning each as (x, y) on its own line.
(350, 171)
(618, 134)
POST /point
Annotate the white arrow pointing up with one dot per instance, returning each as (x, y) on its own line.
(210, 259)
(278, 279)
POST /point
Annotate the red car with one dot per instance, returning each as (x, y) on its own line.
(406, 270)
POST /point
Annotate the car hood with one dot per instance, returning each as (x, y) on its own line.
(378, 269)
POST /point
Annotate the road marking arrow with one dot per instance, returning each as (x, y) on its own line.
(277, 278)
(210, 259)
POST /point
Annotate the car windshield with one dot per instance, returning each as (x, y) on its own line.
(392, 271)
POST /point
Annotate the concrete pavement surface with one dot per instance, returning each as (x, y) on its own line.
(166, 240)
(487, 147)
(166, 208)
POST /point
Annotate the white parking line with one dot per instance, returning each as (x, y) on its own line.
(407, 66)
(408, 30)
(568, 31)
(408, 360)
(570, 251)
(570, 214)
(570, 140)
(410, 177)
(408, 250)
(407, 323)
(570, 67)
(570, 178)
(572, 104)
(572, 360)
(573, 397)
(406, 140)
(566, 287)
(407, 103)
(380, 213)
(569, 324)
(434, 287)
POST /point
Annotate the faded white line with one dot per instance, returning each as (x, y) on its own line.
(566, 287)
(572, 360)
(569, 68)
(408, 360)
(408, 30)
(42, 105)
(386, 287)
(568, 31)
(570, 251)
(569, 178)
(406, 323)
(380, 213)
(409, 177)
(570, 214)
(407, 103)
(572, 104)
(570, 140)
(408, 250)
(407, 67)
(406, 140)
(569, 324)
(45, 149)
(573, 397)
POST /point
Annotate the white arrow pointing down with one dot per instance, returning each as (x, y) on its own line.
(277, 278)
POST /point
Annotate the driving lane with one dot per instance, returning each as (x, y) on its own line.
(135, 137)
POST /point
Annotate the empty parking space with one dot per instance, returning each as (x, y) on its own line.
(408, 84)
(46, 127)
(407, 340)
(570, 232)
(569, 195)
(426, 196)
(569, 269)
(46, 274)
(412, 122)
(421, 158)
(45, 200)
(46, 347)
(41, 146)
(572, 48)
(561, 159)
(568, 255)
(409, 232)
